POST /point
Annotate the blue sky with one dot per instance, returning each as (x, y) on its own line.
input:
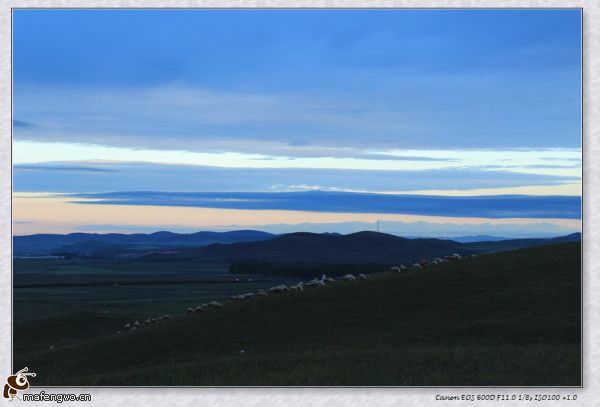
(383, 101)
(382, 79)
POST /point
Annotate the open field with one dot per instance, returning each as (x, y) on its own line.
(509, 319)
(59, 301)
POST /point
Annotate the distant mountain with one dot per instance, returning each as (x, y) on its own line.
(82, 243)
(479, 238)
(361, 247)
(503, 245)
(251, 245)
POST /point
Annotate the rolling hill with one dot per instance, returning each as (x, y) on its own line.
(96, 243)
(355, 248)
(361, 247)
(248, 245)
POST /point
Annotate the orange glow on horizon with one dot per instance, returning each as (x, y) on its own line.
(41, 213)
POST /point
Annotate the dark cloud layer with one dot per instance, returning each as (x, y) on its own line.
(500, 206)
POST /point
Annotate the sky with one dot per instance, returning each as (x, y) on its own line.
(369, 108)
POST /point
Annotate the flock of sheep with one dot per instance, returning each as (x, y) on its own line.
(148, 321)
(425, 263)
(324, 280)
(276, 289)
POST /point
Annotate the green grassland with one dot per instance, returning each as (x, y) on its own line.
(510, 319)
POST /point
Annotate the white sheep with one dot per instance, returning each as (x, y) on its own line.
(136, 323)
(189, 310)
(417, 266)
(215, 304)
(434, 262)
(241, 297)
(349, 277)
(297, 287)
(395, 269)
(361, 275)
(314, 283)
(329, 280)
(262, 294)
(457, 256)
(279, 288)
(127, 325)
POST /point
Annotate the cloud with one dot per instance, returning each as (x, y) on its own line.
(528, 166)
(371, 156)
(22, 124)
(162, 177)
(406, 111)
(51, 168)
(502, 206)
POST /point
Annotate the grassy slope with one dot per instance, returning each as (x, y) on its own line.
(510, 318)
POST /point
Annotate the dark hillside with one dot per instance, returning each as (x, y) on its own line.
(361, 247)
(508, 319)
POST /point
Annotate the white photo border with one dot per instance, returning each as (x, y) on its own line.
(587, 395)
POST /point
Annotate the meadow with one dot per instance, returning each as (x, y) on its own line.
(506, 319)
(58, 301)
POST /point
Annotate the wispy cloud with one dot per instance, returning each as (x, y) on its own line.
(161, 177)
(22, 124)
(69, 168)
(516, 160)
